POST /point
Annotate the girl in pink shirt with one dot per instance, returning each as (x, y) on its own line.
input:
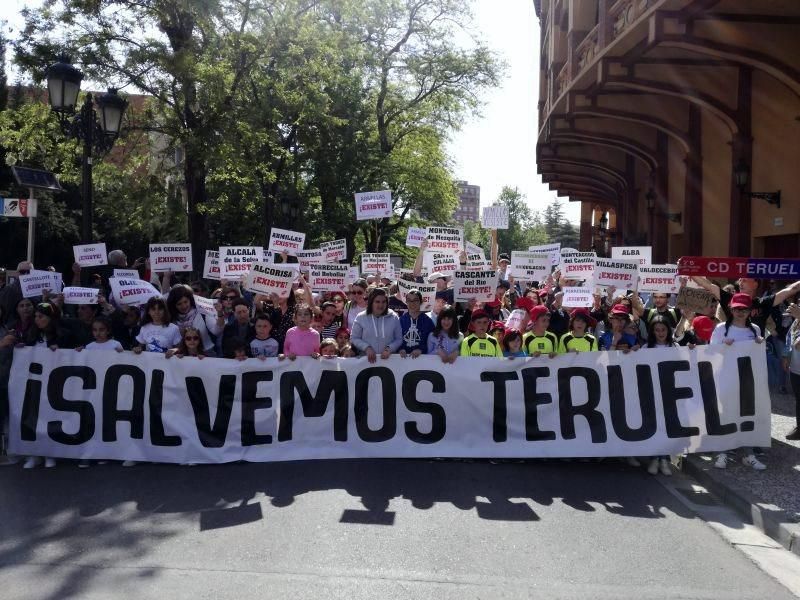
(301, 340)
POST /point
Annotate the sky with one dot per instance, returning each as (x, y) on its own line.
(498, 147)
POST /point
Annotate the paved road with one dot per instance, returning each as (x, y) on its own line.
(369, 529)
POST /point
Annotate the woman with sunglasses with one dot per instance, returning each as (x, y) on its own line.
(357, 303)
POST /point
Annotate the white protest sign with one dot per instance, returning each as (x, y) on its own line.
(577, 297)
(480, 285)
(235, 261)
(264, 278)
(373, 205)
(205, 306)
(515, 319)
(415, 236)
(171, 257)
(476, 259)
(551, 250)
(211, 265)
(643, 254)
(334, 251)
(80, 295)
(353, 274)
(530, 266)
(306, 258)
(564, 251)
(376, 262)
(126, 273)
(495, 217)
(445, 239)
(427, 290)
(329, 278)
(441, 262)
(659, 279)
(577, 265)
(36, 282)
(132, 291)
(283, 240)
(90, 255)
(18, 207)
(622, 273)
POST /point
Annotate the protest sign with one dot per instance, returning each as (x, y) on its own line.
(530, 266)
(478, 285)
(132, 291)
(333, 252)
(695, 300)
(551, 250)
(622, 273)
(515, 319)
(643, 254)
(283, 240)
(265, 278)
(126, 273)
(676, 400)
(90, 255)
(734, 268)
(495, 217)
(235, 261)
(376, 262)
(373, 205)
(659, 279)
(18, 207)
(353, 274)
(329, 278)
(577, 265)
(211, 265)
(415, 236)
(35, 283)
(476, 258)
(80, 295)
(427, 290)
(442, 262)
(577, 297)
(445, 239)
(171, 257)
(306, 258)
(206, 306)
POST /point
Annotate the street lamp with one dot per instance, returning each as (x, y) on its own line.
(97, 130)
(741, 176)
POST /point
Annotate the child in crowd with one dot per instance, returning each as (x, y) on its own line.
(512, 345)
(239, 349)
(191, 345)
(615, 338)
(101, 331)
(263, 346)
(479, 342)
(47, 331)
(157, 334)
(301, 340)
(539, 340)
(498, 331)
(342, 337)
(445, 340)
(578, 338)
(328, 348)
(347, 351)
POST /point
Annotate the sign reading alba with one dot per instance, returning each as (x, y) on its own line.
(105, 405)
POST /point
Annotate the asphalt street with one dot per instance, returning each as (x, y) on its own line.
(361, 529)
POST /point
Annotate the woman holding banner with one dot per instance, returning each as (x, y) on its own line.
(357, 303)
(377, 329)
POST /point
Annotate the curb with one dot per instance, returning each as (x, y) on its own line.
(777, 524)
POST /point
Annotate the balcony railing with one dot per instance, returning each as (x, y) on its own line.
(625, 12)
(587, 49)
(563, 80)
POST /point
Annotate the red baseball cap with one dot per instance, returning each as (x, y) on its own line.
(585, 314)
(703, 327)
(496, 325)
(620, 310)
(525, 303)
(538, 311)
(479, 314)
(741, 301)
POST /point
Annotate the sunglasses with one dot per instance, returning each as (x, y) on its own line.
(192, 338)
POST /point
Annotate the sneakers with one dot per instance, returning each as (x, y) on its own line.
(664, 468)
(632, 461)
(49, 463)
(794, 434)
(84, 464)
(32, 462)
(652, 467)
(129, 463)
(722, 461)
(751, 461)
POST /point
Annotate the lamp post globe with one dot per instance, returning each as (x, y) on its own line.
(63, 85)
(110, 109)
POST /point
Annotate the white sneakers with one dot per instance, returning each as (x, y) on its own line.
(751, 461)
(32, 462)
(721, 461)
(129, 463)
(652, 467)
(659, 465)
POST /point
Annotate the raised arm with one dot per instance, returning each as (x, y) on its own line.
(420, 255)
(707, 285)
(787, 292)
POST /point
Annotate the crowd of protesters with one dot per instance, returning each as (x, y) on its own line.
(372, 319)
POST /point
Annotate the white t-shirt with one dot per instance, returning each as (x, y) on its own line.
(737, 334)
(107, 345)
(159, 338)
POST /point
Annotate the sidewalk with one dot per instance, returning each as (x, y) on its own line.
(769, 499)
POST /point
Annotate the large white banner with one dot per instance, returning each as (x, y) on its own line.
(108, 405)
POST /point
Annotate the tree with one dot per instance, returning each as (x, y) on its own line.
(558, 228)
(523, 230)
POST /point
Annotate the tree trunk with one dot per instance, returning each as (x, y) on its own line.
(195, 177)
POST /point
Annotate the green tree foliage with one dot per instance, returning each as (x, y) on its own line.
(558, 228)
(524, 229)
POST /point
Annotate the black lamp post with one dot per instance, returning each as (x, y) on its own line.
(741, 176)
(98, 130)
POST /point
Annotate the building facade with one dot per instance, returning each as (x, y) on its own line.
(677, 118)
(469, 203)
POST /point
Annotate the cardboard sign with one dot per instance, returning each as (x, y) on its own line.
(80, 295)
(206, 306)
(530, 266)
(329, 278)
(90, 255)
(623, 274)
(211, 265)
(306, 258)
(379, 262)
(577, 297)
(18, 207)
(659, 279)
(480, 285)
(476, 258)
(495, 217)
(551, 250)
(373, 205)
(235, 261)
(695, 300)
(283, 240)
(643, 254)
(264, 278)
(428, 291)
(445, 239)
(577, 265)
(171, 257)
(442, 262)
(733, 268)
(36, 282)
(415, 236)
(515, 319)
(132, 291)
(126, 273)
(333, 252)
